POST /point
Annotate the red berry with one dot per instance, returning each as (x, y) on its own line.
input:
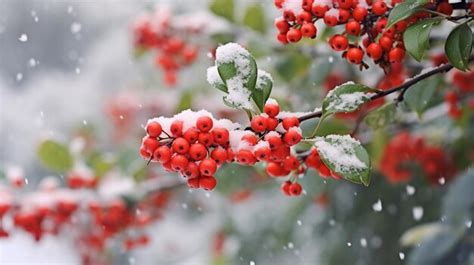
(250, 138)
(179, 163)
(207, 182)
(353, 27)
(162, 154)
(445, 8)
(206, 139)
(221, 135)
(208, 167)
(151, 144)
(197, 152)
(339, 42)
(379, 7)
(344, 15)
(319, 10)
(263, 153)
(386, 43)
(346, 4)
(374, 51)
(271, 109)
(293, 35)
(176, 128)
(359, 13)
(191, 135)
(324, 171)
(330, 20)
(180, 145)
(154, 129)
(259, 124)
(303, 17)
(285, 188)
(451, 97)
(193, 183)
(274, 141)
(309, 30)
(282, 25)
(292, 137)
(289, 122)
(272, 123)
(396, 55)
(289, 15)
(295, 189)
(355, 55)
(381, 24)
(281, 37)
(246, 157)
(204, 124)
(290, 163)
(219, 155)
(144, 153)
(191, 171)
(275, 169)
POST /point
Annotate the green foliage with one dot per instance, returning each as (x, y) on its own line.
(350, 149)
(346, 98)
(404, 10)
(416, 37)
(262, 91)
(186, 100)
(99, 163)
(292, 66)
(223, 8)
(458, 46)
(382, 116)
(255, 18)
(55, 156)
(418, 96)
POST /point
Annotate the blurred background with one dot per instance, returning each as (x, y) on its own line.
(78, 81)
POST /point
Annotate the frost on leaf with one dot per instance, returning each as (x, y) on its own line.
(345, 156)
(347, 97)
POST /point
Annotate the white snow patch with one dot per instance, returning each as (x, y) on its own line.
(341, 152)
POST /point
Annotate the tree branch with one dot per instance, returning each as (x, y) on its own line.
(403, 87)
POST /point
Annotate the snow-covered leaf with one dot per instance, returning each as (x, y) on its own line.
(419, 233)
(238, 71)
(55, 156)
(345, 156)
(347, 97)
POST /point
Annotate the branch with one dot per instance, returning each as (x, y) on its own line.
(403, 87)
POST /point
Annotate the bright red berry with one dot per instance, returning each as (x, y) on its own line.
(207, 182)
(208, 167)
(353, 27)
(374, 51)
(271, 109)
(355, 55)
(309, 30)
(259, 124)
(162, 154)
(221, 135)
(293, 35)
(176, 128)
(289, 122)
(154, 129)
(180, 145)
(295, 189)
(179, 163)
(339, 42)
(379, 7)
(204, 124)
(197, 151)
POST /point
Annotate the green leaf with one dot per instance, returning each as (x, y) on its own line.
(416, 37)
(404, 10)
(99, 163)
(418, 96)
(345, 156)
(263, 89)
(255, 18)
(185, 102)
(347, 97)
(382, 116)
(55, 156)
(458, 46)
(223, 8)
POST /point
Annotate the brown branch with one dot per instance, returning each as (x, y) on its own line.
(403, 87)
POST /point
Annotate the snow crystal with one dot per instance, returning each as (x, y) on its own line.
(343, 102)
(340, 152)
(76, 27)
(261, 144)
(410, 190)
(236, 143)
(23, 38)
(238, 94)
(363, 242)
(232, 52)
(401, 255)
(377, 206)
(294, 6)
(417, 212)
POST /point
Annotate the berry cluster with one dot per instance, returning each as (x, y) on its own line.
(173, 49)
(51, 210)
(364, 22)
(463, 81)
(195, 145)
(404, 152)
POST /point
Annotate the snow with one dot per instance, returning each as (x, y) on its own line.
(340, 152)
(23, 38)
(332, 12)
(262, 78)
(322, 3)
(294, 6)
(238, 95)
(417, 212)
(213, 77)
(377, 206)
(346, 101)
